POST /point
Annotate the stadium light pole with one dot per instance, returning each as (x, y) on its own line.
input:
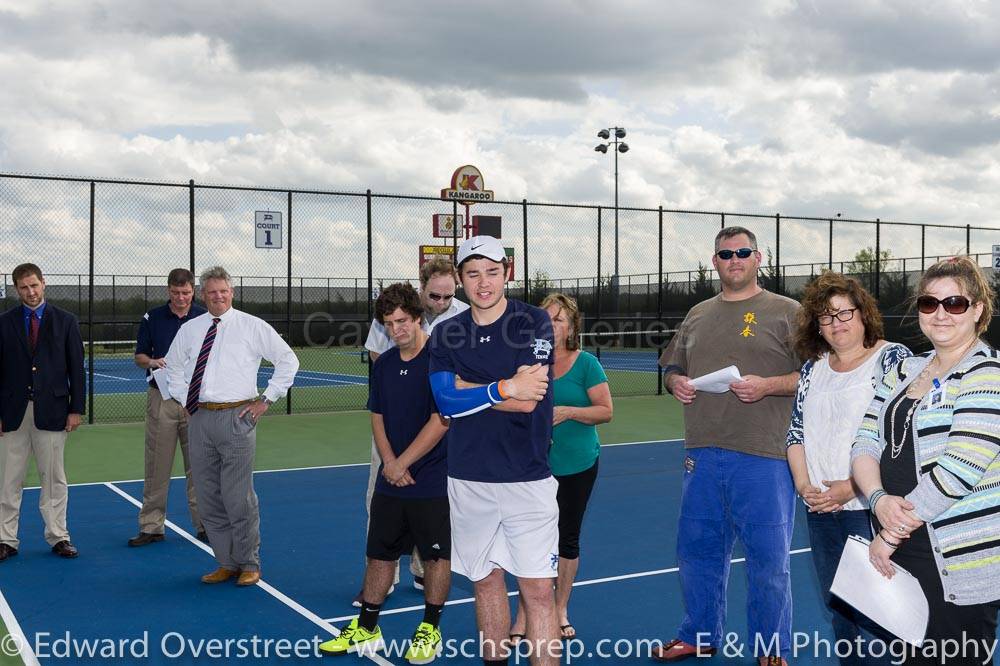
(616, 147)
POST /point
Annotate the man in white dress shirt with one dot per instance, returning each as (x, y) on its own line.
(213, 361)
(438, 281)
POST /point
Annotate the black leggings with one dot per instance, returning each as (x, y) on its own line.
(572, 496)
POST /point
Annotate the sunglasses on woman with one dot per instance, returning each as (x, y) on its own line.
(742, 253)
(955, 305)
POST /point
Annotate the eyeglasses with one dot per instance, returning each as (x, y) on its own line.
(842, 315)
(440, 297)
(955, 305)
(742, 253)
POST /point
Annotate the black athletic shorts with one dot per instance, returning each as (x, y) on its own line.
(399, 524)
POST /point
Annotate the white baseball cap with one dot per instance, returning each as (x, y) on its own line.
(481, 246)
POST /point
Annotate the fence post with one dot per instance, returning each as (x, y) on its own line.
(923, 238)
(597, 282)
(191, 220)
(829, 261)
(371, 283)
(723, 221)
(968, 239)
(90, 313)
(659, 289)
(777, 253)
(524, 215)
(878, 258)
(288, 320)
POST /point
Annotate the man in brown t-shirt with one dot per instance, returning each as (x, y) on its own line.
(736, 479)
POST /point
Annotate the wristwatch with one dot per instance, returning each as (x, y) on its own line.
(265, 400)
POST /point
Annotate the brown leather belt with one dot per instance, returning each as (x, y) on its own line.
(219, 406)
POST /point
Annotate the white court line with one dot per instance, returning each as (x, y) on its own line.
(258, 471)
(274, 592)
(580, 583)
(123, 379)
(302, 469)
(18, 637)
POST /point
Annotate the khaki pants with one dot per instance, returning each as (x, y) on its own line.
(416, 565)
(166, 423)
(15, 450)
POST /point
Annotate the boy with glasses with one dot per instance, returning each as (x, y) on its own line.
(736, 479)
(438, 282)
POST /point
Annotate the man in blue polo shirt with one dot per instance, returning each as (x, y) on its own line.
(490, 368)
(166, 419)
(410, 505)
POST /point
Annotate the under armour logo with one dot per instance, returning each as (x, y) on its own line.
(436, 546)
(403, 372)
(484, 339)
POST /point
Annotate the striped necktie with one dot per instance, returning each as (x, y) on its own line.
(194, 388)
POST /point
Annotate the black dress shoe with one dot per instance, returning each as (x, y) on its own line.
(7, 551)
(145, 538)
(202, 536)
(65, 549)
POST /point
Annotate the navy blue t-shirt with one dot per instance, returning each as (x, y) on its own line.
(158, 328)
(490, 445)
(401, 393)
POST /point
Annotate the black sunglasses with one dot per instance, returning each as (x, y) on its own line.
(440, 297)
(742, 253)
(955, 305)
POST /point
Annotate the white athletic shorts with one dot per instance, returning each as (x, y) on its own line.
(510, 526)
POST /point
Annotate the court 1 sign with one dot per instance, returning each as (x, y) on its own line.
(467, 186)
(996, 258)
(267, 229)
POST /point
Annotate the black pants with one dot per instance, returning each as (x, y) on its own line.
(947, 622)
(572, 497)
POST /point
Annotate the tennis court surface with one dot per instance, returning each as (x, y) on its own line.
(147, 604)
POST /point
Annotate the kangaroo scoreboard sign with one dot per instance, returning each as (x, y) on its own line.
(467, 187)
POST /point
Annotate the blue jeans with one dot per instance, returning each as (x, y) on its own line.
(828, 533)
(729, 495)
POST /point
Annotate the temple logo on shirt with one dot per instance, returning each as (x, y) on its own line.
(750, 321)
(402, 372)
(542, 349)
(554, 561)
(484, 338)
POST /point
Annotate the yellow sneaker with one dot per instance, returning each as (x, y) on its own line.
(354, 639)
(425, 646)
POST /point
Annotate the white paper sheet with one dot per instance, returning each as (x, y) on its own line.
(160, 377)
(718, 381)
(897, 604)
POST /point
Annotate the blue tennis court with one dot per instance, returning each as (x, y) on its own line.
(121, 375)
(312, 524)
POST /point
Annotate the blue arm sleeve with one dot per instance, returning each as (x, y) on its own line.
(455, 402)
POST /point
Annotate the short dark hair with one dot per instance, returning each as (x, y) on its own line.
(26, 270)
(729, 232)
(180, 277)
(399, 295)
(816, 301)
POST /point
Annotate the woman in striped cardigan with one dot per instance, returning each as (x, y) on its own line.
(928, 458)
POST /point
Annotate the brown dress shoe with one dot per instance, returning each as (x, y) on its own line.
(65, 549)
(220, 575)
(248, 578)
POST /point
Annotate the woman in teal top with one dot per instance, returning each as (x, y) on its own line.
(582, 400)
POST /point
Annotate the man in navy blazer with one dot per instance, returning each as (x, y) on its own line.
(41, 400)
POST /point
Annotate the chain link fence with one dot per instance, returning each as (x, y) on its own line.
(106, 247)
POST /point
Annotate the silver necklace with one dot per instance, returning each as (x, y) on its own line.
(897, 448)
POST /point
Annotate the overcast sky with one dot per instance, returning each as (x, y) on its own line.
(865, 108)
